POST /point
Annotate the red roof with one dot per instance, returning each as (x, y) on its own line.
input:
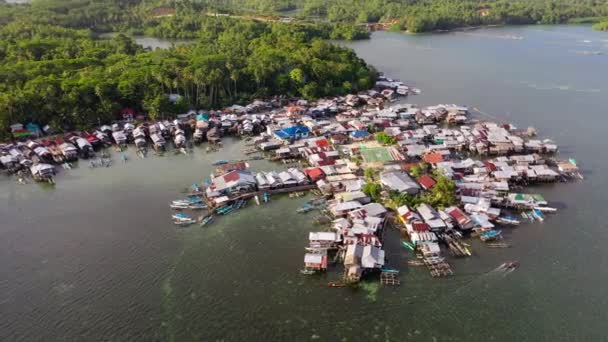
(433, 158)
(314, 173)
(322, 142)
(490, 166)
(459, 216)
(420, 227)
(326, 162)
(232, 176)
(408, 166)
(426, 182)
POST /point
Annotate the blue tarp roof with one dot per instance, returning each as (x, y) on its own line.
(202, 117)
(32, 127)
(359, 134)
(292, 131)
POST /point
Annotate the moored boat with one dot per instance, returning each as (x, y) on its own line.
(206, 220)
(304, 209)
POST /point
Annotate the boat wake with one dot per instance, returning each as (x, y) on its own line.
(560, 87)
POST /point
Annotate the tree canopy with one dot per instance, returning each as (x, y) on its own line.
(69, 78)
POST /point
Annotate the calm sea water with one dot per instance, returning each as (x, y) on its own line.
(97, 259)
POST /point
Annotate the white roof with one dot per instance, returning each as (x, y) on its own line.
(313, 258)
(322, 236)
(372, 257)
(350, 205)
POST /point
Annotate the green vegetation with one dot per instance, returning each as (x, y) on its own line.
(373, 190)
(66, 77)
(418, 170)
(161, 18)
(429, 15)
(587, 20)
(369, 174)
(602, 26)
(385, 139)
(442, 195)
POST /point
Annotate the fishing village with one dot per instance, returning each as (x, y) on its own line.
(367, 162)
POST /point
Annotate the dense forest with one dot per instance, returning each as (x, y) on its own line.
(65, 76)
(55, 68)
(428, 15)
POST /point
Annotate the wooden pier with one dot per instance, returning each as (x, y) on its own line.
(390, 278)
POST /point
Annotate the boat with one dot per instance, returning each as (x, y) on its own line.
(318, 202)
(490, 235)
(304, 209)
(184, 222)
(197, 206)
(498, 245)
(538, 215)
(508, 220)
(336, 284)
(225, 209)
(220, 162)
(179, 206)
(408, 245)
(389, 270)
(181, 217)
(206, 220)
(238, 204)
(545, 209)
(510, 264)
(307, 271)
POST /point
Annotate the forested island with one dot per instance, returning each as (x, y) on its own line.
(55, 67)
(54, 71)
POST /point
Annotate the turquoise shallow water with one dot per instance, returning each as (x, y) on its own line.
(97, 259)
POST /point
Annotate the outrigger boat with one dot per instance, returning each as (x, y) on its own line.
(510, 265)
(545, 209)
(206, 220)
(498, 245)
(308, 271)
(238, 204)
(490, 235)
(179, 206)
(508, 220)
(197, 206)
(408, 245)
(180, 219)
(225, 210)
(538, 215)
(304, 209)
(336, 284)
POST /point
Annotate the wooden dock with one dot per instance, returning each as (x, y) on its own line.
(390, 278)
